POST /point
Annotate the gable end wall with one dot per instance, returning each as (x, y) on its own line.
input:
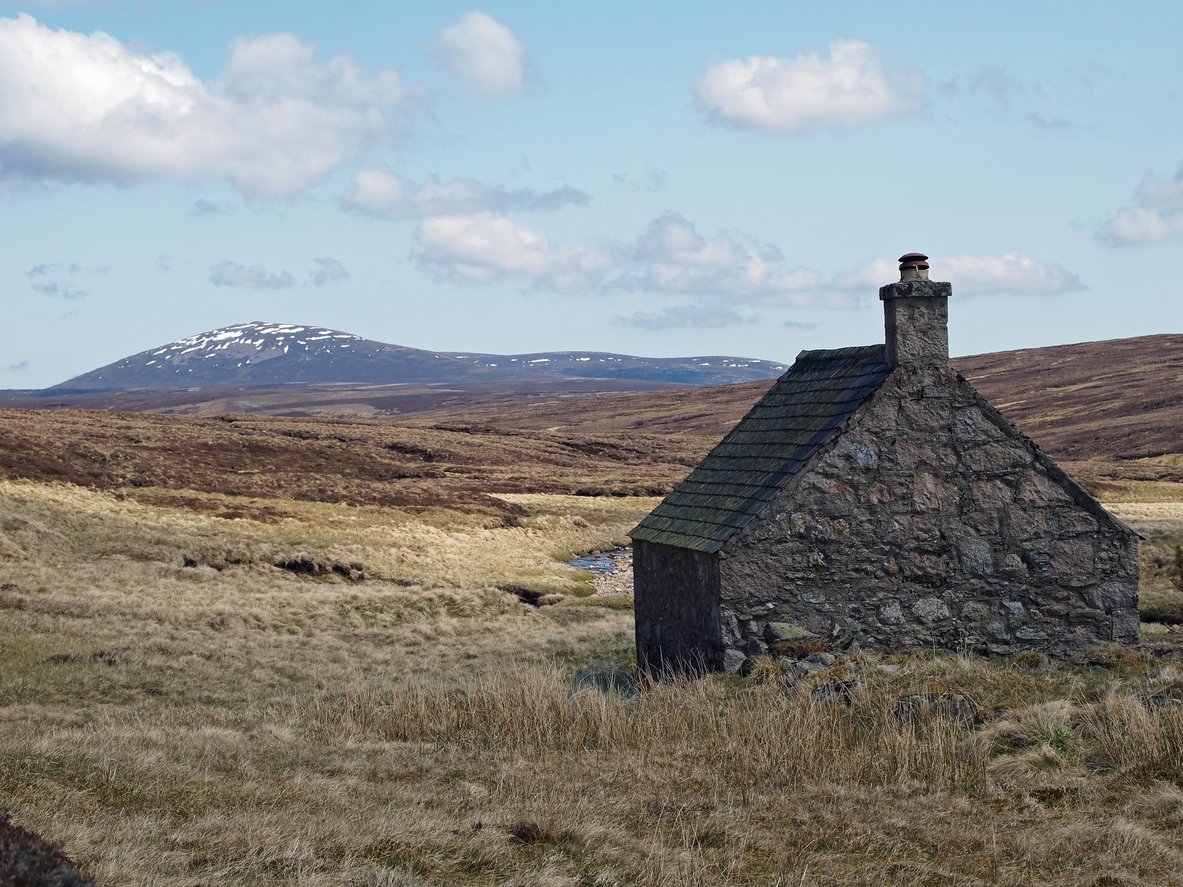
(676, 602)
(928, 520)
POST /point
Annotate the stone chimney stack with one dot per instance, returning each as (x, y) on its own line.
(916, 316)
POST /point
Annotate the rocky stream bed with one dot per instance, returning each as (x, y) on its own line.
(612, 571)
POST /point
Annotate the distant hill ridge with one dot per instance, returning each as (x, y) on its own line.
(270, 354)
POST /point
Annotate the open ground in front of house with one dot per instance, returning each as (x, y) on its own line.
(200, 687)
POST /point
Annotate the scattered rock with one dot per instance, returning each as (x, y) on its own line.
(821, 659)
(954, 706)
(612, 571)
(1168, 697)
(733, 660)
(836, 691)
(606, 676)
(28, 860)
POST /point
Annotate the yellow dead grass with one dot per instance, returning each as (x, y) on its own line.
(235, 723)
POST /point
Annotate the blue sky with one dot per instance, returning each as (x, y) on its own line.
(660, 179)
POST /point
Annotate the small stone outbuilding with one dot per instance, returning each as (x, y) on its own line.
(872, 498)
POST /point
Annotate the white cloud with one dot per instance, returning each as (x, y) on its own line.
(1162, 192)
(993, 82)
(670, 257)
(205, 207)
(1142, 224)
(485, 247)
(254, 277)
(484, 52)
(277, 121)
(380, 192)
(1008, 273)
(848, 87)
(329, 271)
(674, 317)
(73, 268)
(673, 257)
(48, 279)
(970, 275)
(1156, 216)
(57, 290)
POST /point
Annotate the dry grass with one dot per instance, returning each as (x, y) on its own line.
(232, 722)
(1157, 513)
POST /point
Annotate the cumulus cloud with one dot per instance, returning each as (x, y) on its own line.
(675, 317)
(484, 52)
(671, 256)
(1156, 216)
(329, 271)
(486, 247)
(993, 82)
(1011, 272)
(88, 108)
(653, 181)
(254, 277)
(1049, 124)
(846, 87)
(205, 207)
(1142, 224)
(60, 290)
(71, 268)
(50, 279)
(380, 192)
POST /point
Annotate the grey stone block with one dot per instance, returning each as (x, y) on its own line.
(733, 660)
(1125, 626)
(1109, 596)
(977, 557)
(787, 631)
(930, 609)
(891, 613)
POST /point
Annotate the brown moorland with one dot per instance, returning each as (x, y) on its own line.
(1111, 412)
(263, 650)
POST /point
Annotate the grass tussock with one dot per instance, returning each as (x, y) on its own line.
(285, 691)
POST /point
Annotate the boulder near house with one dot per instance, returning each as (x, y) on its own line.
(873, 498)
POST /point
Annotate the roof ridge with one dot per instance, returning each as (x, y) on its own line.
(837, 353)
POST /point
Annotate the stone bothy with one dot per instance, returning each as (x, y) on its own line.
(873, 498)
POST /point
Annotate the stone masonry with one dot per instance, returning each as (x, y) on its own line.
(930, 523)
(918, 517)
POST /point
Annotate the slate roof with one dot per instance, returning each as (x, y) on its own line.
(769, 445)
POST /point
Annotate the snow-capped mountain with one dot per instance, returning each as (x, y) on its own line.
(710, 370)
(272, 354)
(257, 353)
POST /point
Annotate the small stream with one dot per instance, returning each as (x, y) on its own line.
(612, 571)
(600, 562)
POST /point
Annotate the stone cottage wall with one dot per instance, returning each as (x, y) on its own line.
(677, 608)
(930, 522)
